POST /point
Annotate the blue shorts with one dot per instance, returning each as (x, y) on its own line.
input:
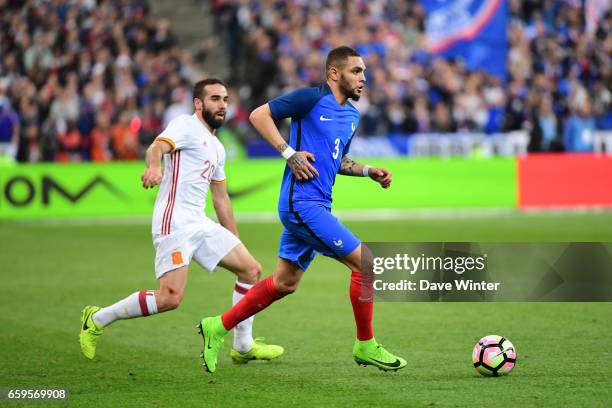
(311, 229)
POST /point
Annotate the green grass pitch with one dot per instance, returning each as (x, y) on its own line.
(50, 273)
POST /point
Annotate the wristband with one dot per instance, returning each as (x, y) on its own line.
(288, 152)
(366, 170)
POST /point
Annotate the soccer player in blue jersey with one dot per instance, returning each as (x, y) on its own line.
(323, 122)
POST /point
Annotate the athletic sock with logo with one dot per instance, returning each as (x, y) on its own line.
(137, 304)
(260, 296)
(361, 293)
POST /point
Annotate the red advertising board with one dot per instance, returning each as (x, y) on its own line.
(564, 180)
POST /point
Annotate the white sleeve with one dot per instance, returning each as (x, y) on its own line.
(174, 135)
(219, 173)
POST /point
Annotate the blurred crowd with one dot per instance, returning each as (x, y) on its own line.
(98, 79)
(87, 79)
(558, 84)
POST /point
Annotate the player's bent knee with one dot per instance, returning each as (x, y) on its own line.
(255, 272)
(170, 299)
(287, 288)
(251, 273)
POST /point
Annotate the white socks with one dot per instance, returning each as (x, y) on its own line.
(143, 304)
(137, 304)
(243, 332)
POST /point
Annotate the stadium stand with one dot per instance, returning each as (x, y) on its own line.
(97, 80)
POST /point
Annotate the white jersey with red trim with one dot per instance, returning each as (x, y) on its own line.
(197, 159)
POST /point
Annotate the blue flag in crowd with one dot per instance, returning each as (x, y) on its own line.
(474, 30)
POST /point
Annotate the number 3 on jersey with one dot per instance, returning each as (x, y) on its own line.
(336, 148)
(206, 174)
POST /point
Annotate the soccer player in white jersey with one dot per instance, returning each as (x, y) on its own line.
(194, 161)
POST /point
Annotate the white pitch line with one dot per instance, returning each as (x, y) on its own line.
(344, 215)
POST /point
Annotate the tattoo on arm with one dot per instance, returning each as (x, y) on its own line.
(347, 167)
(281, 147)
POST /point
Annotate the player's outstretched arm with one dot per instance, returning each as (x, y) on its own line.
(153, 175)
(299, 162)
(223, 206)
(348, 167)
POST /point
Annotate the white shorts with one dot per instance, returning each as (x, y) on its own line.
(207, 244)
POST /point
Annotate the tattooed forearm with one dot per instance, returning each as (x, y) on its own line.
(281, 147)
(348, 167)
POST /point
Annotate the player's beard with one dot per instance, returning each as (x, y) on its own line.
(210, 117)
(347, 90)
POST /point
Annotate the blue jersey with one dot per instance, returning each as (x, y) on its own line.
(321, 126)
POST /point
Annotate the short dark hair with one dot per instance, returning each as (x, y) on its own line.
(199, 87)
(338, 57)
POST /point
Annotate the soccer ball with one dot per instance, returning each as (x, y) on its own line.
(494, 356)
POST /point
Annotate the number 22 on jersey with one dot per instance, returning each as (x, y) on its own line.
(206, 174)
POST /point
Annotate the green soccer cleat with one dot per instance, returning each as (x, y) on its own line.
(88, 337)
(369, 352)
(212, 332)
(259, 351)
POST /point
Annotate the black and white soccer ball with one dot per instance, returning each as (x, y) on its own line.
(494, 355)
